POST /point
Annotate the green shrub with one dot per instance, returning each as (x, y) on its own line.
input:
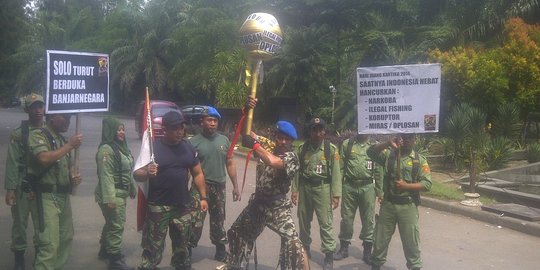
(498, 152)
(533, 152)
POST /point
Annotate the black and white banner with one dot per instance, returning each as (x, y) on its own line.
(398, 99)
(77, 82)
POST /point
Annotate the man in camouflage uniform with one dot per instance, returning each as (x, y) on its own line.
(318, 189)
(401, 198)
(269, 205)
(16, 166)
(53, 180)
(361, 184)
(212, 152)
(169, 202)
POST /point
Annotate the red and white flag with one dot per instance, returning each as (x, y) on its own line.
(146, 155)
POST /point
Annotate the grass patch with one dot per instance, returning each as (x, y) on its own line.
(445, 192)
(451, 192)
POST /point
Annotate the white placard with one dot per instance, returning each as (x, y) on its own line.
(398, 99)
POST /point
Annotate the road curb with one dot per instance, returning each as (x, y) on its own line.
(528, 227)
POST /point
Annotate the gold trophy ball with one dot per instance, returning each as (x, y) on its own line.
(261, 36)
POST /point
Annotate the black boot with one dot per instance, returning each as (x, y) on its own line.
(221, 254)
(343, 251)
(375, 267)
(102, 254)
(117, 262)
(328, 261)
(19, 260)
(368, 246)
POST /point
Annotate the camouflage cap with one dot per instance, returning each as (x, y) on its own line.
(31, 99)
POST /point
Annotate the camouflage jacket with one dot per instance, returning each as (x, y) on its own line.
(272, 182)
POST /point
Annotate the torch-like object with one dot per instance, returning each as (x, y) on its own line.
(261, 36)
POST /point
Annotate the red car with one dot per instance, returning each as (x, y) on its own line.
(158, 108)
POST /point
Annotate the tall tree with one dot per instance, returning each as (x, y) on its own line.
(12, 33)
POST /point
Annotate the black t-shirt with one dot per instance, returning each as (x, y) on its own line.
(170, 186)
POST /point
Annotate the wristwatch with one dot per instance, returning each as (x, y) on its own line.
(203, 198)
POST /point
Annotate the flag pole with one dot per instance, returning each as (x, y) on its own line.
(149, 125)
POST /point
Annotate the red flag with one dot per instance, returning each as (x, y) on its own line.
(146, 155)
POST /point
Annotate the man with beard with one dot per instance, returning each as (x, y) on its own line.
(16, 168)
(53, 180)
(401, 186)
(212, 152)
(269, 205)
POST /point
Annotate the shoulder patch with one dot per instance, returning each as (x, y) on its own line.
(336, 156)
(425, 168)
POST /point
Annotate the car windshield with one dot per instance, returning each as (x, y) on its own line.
(193, 110)
(160, 110)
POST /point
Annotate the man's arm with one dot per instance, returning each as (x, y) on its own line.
(198, 180)
(231, 171)
(336, 178)
(144, 173)
(12, 176)
(424, 180)
(106, 168)
(48, 158)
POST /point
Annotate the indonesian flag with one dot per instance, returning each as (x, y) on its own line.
(146, 156)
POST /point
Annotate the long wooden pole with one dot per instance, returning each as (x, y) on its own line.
(149, 125)
(398, 162)
(77, 153)
(77, 150)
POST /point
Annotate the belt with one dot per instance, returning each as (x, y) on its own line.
(48, 188)
(315, 182)
(121, 186)
(359, 182)
(399, 199)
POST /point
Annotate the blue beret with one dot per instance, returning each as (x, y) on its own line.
(212, 112)
(287, 129)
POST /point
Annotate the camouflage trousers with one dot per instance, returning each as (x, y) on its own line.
(158, 220)
(274, 214)
(216, 209)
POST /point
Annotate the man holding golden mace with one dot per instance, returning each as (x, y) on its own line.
(268, 206)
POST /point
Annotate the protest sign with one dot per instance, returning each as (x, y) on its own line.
(398, 99)
(77, 82)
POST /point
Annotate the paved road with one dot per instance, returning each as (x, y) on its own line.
(448, 241)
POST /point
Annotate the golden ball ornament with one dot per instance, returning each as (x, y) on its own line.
(261, 36)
